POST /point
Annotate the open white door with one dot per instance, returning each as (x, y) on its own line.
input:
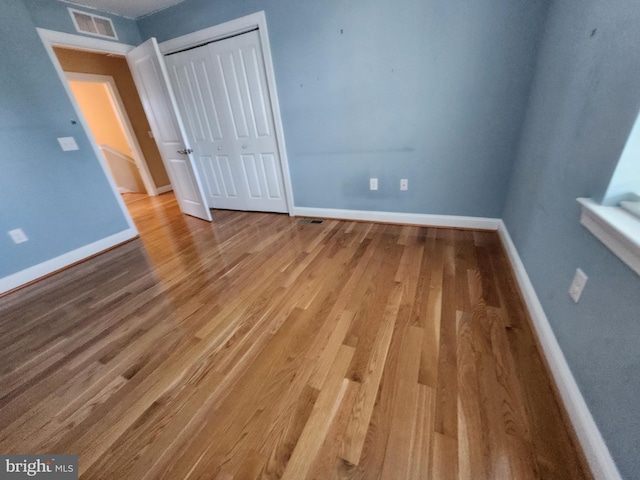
(222, 92)
(151, 79)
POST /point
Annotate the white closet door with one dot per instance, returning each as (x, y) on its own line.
(150, 76)
(207, 128)
(222, 89)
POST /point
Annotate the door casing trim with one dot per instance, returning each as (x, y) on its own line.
(49, 39)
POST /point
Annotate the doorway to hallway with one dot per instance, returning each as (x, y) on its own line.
(100, 102)
(103, 88)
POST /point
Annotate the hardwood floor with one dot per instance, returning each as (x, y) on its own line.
(262, 347)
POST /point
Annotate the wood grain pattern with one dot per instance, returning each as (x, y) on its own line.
(324, 411)
(259, 347)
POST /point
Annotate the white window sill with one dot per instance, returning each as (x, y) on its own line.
(618, 229)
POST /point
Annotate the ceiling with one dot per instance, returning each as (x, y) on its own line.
(127, 8)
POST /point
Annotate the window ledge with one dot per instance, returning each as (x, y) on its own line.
(618, 229)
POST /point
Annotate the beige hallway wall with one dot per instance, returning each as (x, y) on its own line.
(95, 103)
(102, 64)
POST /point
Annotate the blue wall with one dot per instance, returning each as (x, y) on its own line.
(430, 91)
(584, 102)
(54, 15)
(61, 200)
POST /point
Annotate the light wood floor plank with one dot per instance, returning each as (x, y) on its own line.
(319, 423)
(397, 459)
(361, 414)
(447, 385)
(422, 435)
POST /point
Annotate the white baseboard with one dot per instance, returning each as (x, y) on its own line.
(595, 449)
(45, 268)
(452, 221)
(165, 189)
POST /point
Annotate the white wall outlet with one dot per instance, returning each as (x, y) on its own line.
(67, 143)
(404, 184)
(18, 235)
(373, 184)
(579, 281)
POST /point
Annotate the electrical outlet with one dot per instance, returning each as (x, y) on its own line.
(18, 235)
(373, 184)
(67, 143)
(404, 184)
(579, 281)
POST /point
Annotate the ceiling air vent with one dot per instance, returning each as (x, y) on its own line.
(93, 24)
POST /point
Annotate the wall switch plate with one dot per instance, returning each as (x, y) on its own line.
(404, 184)
(18, 235)
(68, 143)
(373, 184)
(579, 281)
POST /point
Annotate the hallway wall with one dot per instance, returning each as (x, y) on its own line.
(100, 64)
(94, 101)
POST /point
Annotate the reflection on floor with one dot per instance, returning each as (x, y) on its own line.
(258, 346)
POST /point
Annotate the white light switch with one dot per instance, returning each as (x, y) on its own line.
(373, 184)
(18, 235)
(579, 281)
(67, 143)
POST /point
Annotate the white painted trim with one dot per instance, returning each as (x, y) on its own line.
(617, 228)
(117, 153)
(233, 27)
(595, 449)
(149, 50)
(452, 221)
(121, 113)
(631, 206)
(165, 189)
(79, 42)
(83, 122)
(50, 266)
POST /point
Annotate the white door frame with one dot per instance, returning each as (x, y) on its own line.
(234, 27)
(49, 39)
(123, 120)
